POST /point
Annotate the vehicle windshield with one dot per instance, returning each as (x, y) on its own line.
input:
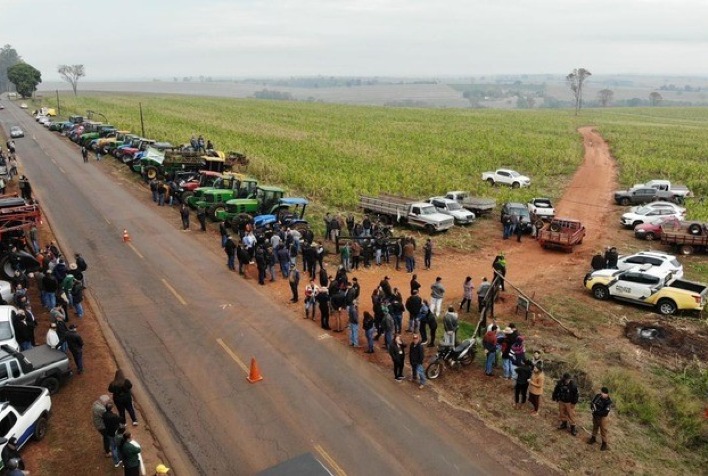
(453, 207)
(427, 210)
(5, 331)
(643, 210)
(514, 174)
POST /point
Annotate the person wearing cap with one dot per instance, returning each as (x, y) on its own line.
(161, 470)
(11, 452)
(600, 406)
(437, 295)
(566, 394)
(76, 347)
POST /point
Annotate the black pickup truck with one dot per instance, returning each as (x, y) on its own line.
(641, 195)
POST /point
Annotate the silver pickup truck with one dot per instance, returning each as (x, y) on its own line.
(401, 210)
(40, 366)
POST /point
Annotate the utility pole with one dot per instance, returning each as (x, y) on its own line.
(142, 123)
(58, 109)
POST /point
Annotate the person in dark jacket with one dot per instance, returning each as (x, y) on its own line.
(611, 257)
(76, 347)
(243, 258)
(230, 250)
(416, 356)
(121, 389)
(523, 375)
(111, 422)
(368, 324)
(397, 350)
(184, 215)
(10, 452)
(261, 265)
(413, 305)
(600, 406)
(322, 299)
(566, 394)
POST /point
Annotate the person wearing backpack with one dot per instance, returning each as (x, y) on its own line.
(601, 405)
(566, 394)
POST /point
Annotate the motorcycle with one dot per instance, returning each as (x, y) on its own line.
(452, 356)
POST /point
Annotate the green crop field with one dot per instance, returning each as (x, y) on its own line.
(332, 153)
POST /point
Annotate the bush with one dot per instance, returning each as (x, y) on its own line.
(632, 397)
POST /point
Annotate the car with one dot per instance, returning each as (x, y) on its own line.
(23, 106)
(7, 327)
(661, 204)
(646, 214)
(506, 177)
(651, 230)
(659, 260)
(514, 208)
(2, 106)
(16, 132)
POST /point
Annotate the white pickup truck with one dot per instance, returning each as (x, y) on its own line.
(541, 209)
(24, 414)
(666, 186)
(506, 177)
(447, 206)
(402, 210)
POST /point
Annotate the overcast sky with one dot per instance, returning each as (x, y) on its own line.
(244, 38)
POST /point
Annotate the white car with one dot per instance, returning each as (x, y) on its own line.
(23, 106)
(660, 204)
(16, 132)
(7, 328)
(450, 207)
(658, 260)
(506, 177)
(647, 214)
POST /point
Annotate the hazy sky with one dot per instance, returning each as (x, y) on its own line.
(240, 38)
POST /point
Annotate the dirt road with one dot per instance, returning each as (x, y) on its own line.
(189, 327)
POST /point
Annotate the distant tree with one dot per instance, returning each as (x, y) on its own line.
(71, 74)
(655, 98)
(576, 80)
(25, 78)
(605, 97)
(8, 59)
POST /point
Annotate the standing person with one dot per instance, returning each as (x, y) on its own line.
(310, 295)
(294, 281)
(611, 257)
(353, 312)
(77, 298)
(230, 250)
(499, 266)
(76, 347)
(536, 387)
(84, 154)
(322, 299)
(97, 410)
(121, 388)
(416, 356)
(518, 231)
(34, 239)
(338, 299)
(415, 285)
(201, 216)
(413, 306)
(242, 257)
(437, 295)
(111, 422)
(600, 406)
(523, 374)
(356, 253)
(506, 344)
(261, 266)
(566, 394)
(451, 324)
(345, 254)
(184, 214)
(482, 291)
(223, 232)
(368, 325)
(427, 253)
(130, 453)
(489, 342)
(433, 326)
(467, 289)
(52, 339)
(397, 351)
(153, 189)
(409, 256)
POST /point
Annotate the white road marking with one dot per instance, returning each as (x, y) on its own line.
(233, 355)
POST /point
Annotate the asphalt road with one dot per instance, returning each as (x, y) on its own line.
(190, 328)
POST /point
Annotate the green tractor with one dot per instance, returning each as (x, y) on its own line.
(267, 201)
(100, 130)
(214, 199)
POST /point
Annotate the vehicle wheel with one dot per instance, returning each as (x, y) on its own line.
(469, 358)
(515, 185)
(625, 202)
(126, 159)
(600, 291)
(213, 210)
(151, 172)
(684, 249)
(301, 227)
(539, 224)
(636, 224)
(385, 220)
(430, 229)
(40, 428)
(650, 236)
(679, 200)
(434, 370)
(51, 384)
(555, 227)
(185, 195)
(695, 229)
(490, 181)
(6, 270)
(666, 307)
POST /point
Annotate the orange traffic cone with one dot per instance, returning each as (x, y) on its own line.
(255, 374)
(126, 236)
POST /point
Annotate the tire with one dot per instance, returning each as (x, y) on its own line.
(185, 195)
(434, 370)
(385, 220)
(6, 270)
(40, 428)
(625, 201)
(555, 227)
(650, 236)
(430, 229)
(515, 185)
(601, 292)
(666, 307)
(51, 384)
(539, 224)
(469, 358)
(490, 181)
(636, 224)
(151, 172)
(684, 250)
(213, 210)
(679, 200)
(695, 229)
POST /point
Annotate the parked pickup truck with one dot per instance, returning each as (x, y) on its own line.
(541, 209)
(450, 207)
(478, 206)
(688, 239)
(561, 233)
(24, 414)
(648, 286)
(40, 366)
(506, 177)
(666, 186)
(637, 196)
(401, 210)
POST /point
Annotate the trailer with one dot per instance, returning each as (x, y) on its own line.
(693, 239)
(561, 233)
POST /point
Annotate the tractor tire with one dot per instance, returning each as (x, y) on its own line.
(151, 172)
(666, 307)
(7, 272)
(213, 210)
(185, 195)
